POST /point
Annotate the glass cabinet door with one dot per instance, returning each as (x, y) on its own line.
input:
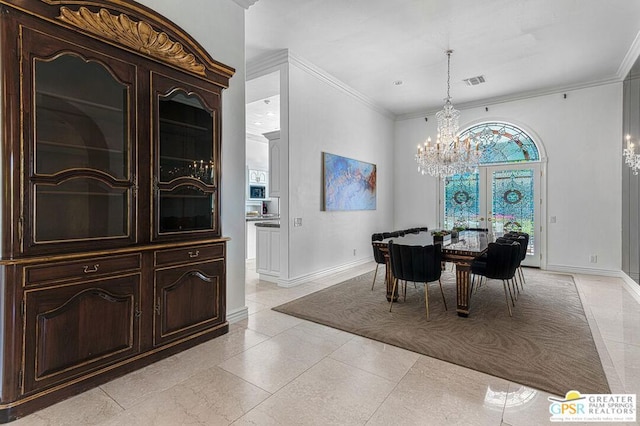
(186, 161)
(80, 162)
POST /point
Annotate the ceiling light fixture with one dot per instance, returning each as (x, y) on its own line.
(448, 155)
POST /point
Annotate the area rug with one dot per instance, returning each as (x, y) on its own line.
(547, 344)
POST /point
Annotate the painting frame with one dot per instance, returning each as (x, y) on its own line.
(348, 184)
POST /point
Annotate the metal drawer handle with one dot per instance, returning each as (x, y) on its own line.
(86, 269)
(194, 254)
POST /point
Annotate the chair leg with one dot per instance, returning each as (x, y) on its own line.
(510, 294)
(405, 290)
(443, 299)
(426, 298)
(506, 297)
(374, 276)
(393, 291)
(521, 273)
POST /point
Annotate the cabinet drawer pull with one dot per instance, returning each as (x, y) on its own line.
(86, 269)
(194, 253)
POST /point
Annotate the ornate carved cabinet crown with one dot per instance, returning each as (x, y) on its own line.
(112, 256)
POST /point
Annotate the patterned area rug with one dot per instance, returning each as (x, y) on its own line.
(547, 344)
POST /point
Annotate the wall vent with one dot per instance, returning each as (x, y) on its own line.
(474, 81)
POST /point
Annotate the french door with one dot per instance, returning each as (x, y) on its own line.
(501, 198)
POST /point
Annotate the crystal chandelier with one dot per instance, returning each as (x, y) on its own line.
(448, 155)
(631, 159)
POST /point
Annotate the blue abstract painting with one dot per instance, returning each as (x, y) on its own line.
(348, 184)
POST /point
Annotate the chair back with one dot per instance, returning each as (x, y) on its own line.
(378, 255)
(526, 240)
(502, 260)
(523, 239)
(416, 263)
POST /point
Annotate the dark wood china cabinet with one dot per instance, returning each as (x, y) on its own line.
(112, 256)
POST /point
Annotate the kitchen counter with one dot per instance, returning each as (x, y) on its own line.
(269, 224)
(261, 218)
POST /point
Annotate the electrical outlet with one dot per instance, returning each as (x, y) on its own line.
(297, 221)
(593, 258)
(552, 219)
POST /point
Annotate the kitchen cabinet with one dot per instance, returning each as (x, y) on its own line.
(268, 251)
(112, 251)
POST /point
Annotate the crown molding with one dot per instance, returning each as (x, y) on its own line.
(511, 98)
(245, 3)
(269, 62)
(629, 59)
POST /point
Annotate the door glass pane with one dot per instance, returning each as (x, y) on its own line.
(80, 209)
(186, 139)
(462, 201)
(186, 208)
(513, 203)
(81, 118)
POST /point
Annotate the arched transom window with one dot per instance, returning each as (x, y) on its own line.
(502, 143)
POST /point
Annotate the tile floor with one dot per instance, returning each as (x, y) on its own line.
(273, 369)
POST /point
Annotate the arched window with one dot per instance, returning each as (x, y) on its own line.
(502, 143)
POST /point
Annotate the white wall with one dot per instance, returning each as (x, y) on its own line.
(581, 135)
(324, 118)
(219, 27)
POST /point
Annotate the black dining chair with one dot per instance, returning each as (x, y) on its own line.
(523, 254)
(518, 280)
(416, 264)
(500, 263)
(378, 255)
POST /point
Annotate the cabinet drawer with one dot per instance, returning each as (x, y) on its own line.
(81, 269)
(189, 254)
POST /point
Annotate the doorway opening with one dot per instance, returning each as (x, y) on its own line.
(505, 194)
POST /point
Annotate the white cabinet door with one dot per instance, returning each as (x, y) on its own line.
(268, 251)
(263, 247)
(251, 241)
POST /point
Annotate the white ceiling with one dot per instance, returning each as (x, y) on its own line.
(520, 46)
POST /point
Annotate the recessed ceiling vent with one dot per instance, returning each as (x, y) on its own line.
(474, 81)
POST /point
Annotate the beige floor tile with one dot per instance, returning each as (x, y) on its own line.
(438, 393)
(330, 393)
(144, 383)
(214, 397)
(386, 361)
(89, 408)
(271, 322)
(274, 363)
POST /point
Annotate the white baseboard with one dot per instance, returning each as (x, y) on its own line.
(292, 282)
(632, 286)
(238, 315)
(581, 270)
(268, 278)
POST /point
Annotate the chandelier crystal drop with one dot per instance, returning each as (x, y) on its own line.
(631, 159)
(448, 155)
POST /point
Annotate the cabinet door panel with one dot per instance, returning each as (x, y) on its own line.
(186, 143)
(79, 328)
(188, 299)
(79, 132)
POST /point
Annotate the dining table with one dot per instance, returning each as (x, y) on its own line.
(460, 251)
